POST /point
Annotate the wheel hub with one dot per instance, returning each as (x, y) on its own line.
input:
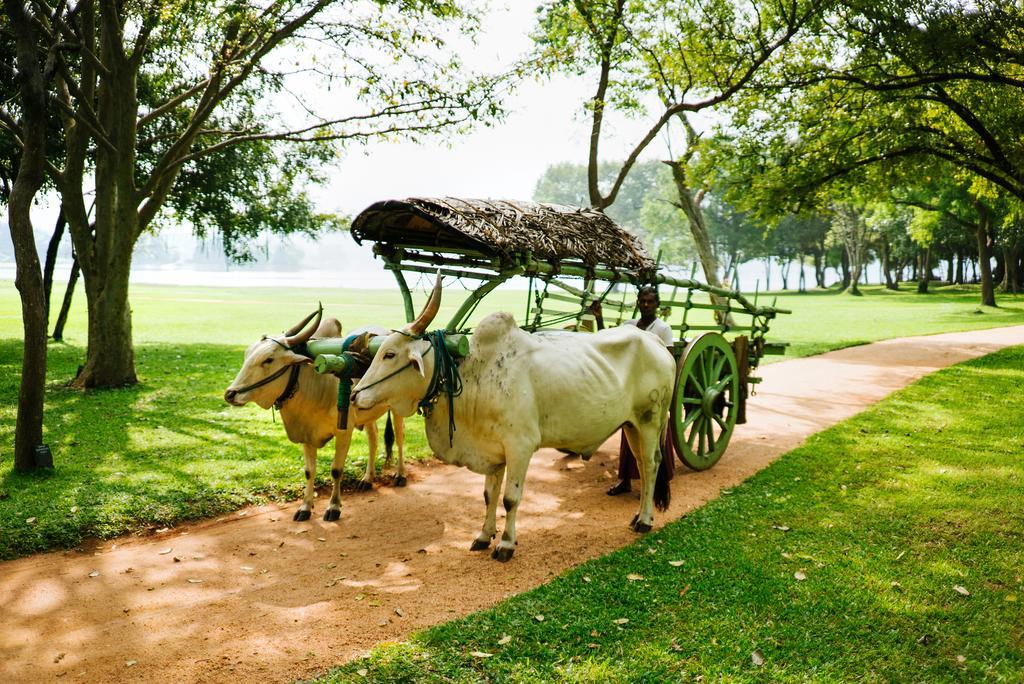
(708, 401)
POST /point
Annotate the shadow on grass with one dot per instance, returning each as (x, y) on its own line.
(165, 450)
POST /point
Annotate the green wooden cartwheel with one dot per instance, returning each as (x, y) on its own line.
(703, 409)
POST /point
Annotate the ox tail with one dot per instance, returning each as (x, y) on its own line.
(389, 439)
(662, 491)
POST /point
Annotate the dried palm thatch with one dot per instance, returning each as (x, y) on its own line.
(503, 228)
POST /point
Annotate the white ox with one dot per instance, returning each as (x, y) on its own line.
(522, 392)
(309, 406)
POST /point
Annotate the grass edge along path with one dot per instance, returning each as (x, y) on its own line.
(889, 547)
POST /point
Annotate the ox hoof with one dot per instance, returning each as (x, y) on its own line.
(332, 514)
(480, 545)
(641, 527)
(300, 515)
(364, 486)
(502, 554)
(400, 481)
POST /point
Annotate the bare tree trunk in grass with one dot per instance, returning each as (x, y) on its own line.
(51, 259)
(924, 270)
(988, 291)
(28, 433)
(65, 307)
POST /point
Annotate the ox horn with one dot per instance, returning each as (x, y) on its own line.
(419, 326)
(294, 336)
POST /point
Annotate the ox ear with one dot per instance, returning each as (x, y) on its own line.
(416, 359)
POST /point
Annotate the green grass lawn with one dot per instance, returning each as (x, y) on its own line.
(169, 449)
(889, 548)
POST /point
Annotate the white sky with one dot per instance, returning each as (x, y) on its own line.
(544, 127)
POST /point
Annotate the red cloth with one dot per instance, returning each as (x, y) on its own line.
(627, 461)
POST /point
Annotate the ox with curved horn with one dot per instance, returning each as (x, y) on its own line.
(423, 321)
(277, 371)
(296, 335)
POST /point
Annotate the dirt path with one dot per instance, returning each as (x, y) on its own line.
(254, 596)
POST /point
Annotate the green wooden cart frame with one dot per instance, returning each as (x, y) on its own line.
(573, 257)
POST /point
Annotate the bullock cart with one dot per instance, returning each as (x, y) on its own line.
(572, 258)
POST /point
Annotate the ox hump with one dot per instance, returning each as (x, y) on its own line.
(496, 331)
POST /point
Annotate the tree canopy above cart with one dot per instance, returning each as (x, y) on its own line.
(504, 228)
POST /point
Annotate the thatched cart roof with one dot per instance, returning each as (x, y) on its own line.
(505, 228)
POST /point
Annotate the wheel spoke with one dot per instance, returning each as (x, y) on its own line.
(723, 383)
(693, 433)
(711, 436)
(709, 358)
(721, 423)
(692, 416)
(693, 375)
(718, 368)
(700, 441)
(691, 401)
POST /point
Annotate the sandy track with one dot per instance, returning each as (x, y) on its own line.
(280, 600)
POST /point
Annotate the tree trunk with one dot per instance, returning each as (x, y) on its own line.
(28, 432)
(65, 307)
(924, 269)
(784, 269)
(988, 291)
(959, 268)
(690, 204)
(887, 266)
(110, 359)
(51, 259)
(819, 270)
(767, 274)
(801, 283)
(844, 262)
(949, 271)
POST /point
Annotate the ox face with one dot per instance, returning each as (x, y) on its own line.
(262, 360)
(264, 373)
(398, 377)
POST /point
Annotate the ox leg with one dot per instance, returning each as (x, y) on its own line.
(342, 442)
(645, 446)
(371, 460)
(399, 425)
(515, 481)
(492, 489)
(309, 451)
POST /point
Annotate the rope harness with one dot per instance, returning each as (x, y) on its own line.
(445, 378)
(293, 380)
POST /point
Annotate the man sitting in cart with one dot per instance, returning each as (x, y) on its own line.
(647, 302)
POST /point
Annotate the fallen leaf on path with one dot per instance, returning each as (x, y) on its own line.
(323, 539)
(130, 663)
(164, 552)
(195, 581)
(384, 622)
(961, 659)
(621, 621)
(961, 590)
(480, 654)
(1010, 597)
(634, 578)
(248, 568)
(362, 672)
(586, 579)
(94, 573)
(593, 645)
(504, 640)
(675, 564)
(399, 612)
(757, 658)
(30, 521)
(538, 618)
(799, 575)
(682, 592)
(901, 554)
(781, 528)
